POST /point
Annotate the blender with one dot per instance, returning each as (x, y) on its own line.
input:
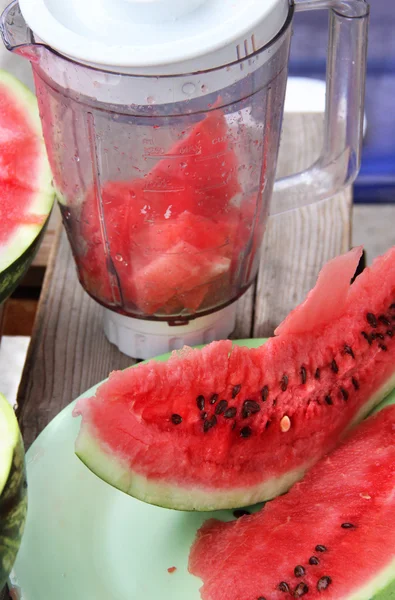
(162, 122)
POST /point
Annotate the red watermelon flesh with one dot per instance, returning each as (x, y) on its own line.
(206, 160)
(142, 219)
(173, 273)
(327, 301)
(25, 178)
(225, 427)
(334, 529)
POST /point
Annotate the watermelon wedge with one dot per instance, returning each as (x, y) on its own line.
(26, 194)
(331, 536)
(229, 426)
(13, 498)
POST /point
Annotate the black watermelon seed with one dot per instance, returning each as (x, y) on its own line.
(240, 512)
(303, 374)
(377, 336)
(355, 383)
(301, 589)
(347, 526)
(344, 393)
(245, 432)
(349, 350)
(299, 571)
(221, 407)
(268, 423)
(264, 393)
(214, 399)
(236, 390)
(284, 383)
(328, 400)
(371, 319)
(209, 423)
(389, 332)
(321, 548)
(383, 347)
(367, 337)
(203, 416)
(250, 407)
(200, 402)
(392, 307)
(230, 412)
(383, 319)
(275, 402)
(261, 598)
(176, 419)
(313, 560)
(334, 366)
(323, 583)
(283, 587)
(317, 374)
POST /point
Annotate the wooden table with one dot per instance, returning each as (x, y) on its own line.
(69, 353)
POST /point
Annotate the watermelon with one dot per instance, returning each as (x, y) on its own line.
(191, 198)
(198, 432)
(13, 497)
(26, 194)
(331, 536)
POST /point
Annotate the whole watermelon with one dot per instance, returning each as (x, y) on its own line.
(13, 489)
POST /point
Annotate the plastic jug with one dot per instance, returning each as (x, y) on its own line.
(162, 122)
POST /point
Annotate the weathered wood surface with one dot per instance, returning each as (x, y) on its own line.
(298, 243)
(69, 352)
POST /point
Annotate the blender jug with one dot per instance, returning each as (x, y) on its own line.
(162, 122)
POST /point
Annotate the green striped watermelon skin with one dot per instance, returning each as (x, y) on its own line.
(13, 509)
(11, 277)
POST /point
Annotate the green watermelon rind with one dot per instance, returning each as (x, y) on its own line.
(13, 497)
(116, 472)
(26, 235)
(11, 276)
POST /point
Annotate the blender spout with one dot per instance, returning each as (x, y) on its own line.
(16, 35)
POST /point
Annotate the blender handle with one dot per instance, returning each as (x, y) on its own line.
(340, 159)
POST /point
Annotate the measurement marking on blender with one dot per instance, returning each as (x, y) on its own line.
(253, 42)
(239, 56)
(171, 156)
(199, 157)
(163, 190)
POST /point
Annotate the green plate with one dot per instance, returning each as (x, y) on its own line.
(85, 540)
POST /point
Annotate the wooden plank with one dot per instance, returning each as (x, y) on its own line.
(2, 315)
(374, 228)
(298, 243)
(42, 257)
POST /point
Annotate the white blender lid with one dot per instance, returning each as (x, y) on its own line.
(156, 36)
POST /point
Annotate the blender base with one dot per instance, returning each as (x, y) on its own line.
(140, 338)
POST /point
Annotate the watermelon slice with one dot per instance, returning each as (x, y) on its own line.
(331, 536)
(26, 194)
(198, 431)
(13, 498)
